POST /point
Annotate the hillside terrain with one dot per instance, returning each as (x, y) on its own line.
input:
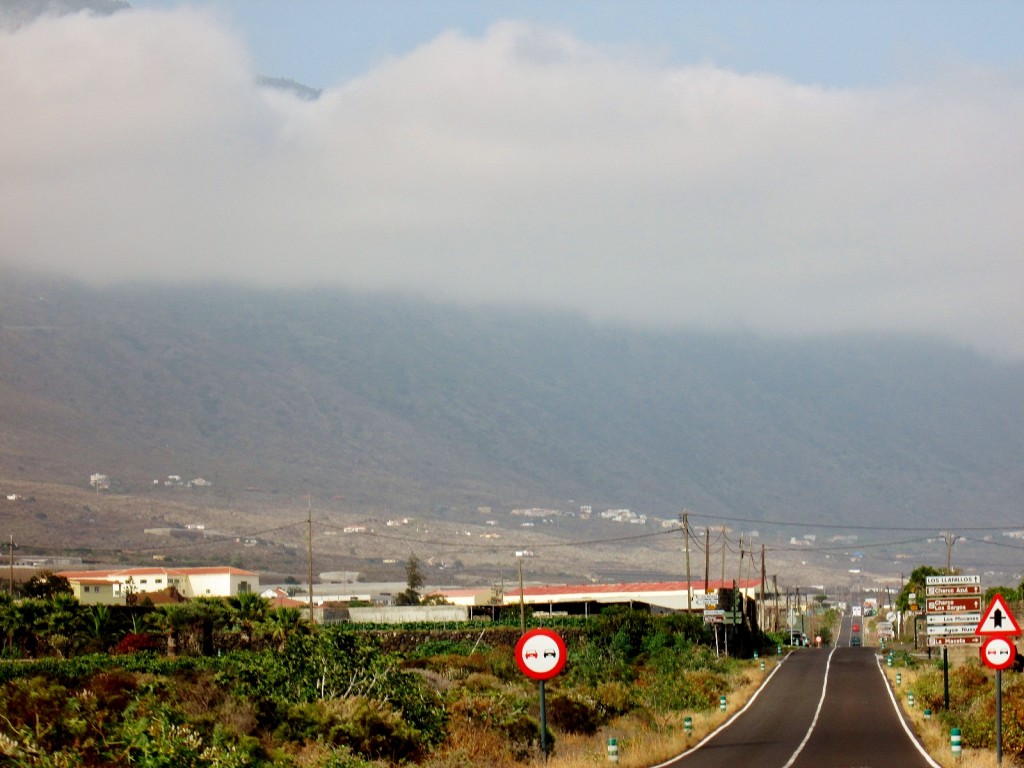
(385, 406)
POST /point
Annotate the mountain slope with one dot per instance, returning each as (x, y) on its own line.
(384, 400)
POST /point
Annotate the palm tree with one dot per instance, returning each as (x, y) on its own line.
(28, 621)
(62, 628)
(100, 627)
(8, 624)
(208, 615)
(172, 620)
(282, 622)
(249, 610)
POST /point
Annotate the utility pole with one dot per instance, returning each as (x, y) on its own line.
(522, 600)
(738, 600)
(739, 576)
(750, 564)
(799, 610)
(760, 609)
(775, 591)
(725, 540)
(685, 519)
(950, 541)
(707, 559)
(309, 522)
(12, 566)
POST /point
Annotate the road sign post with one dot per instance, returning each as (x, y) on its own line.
(952, 603)
(998, 625)
(540, 654)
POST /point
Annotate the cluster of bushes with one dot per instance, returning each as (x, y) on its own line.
(229, 685)
(244, 708)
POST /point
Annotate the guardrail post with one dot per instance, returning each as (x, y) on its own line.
(954, 741)
(613, 750)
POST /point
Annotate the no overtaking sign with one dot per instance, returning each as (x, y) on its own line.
(540, 654)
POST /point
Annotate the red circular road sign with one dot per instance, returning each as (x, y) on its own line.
(998, 653)
(540, 654)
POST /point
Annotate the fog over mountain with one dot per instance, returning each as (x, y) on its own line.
(520, 164)
(390, 401)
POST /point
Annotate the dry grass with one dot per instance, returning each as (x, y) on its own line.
(650, 740)
(933, 734)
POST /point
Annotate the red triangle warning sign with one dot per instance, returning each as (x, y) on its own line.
(997, 619)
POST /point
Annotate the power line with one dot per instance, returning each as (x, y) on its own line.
(539, 545)
(847, 526)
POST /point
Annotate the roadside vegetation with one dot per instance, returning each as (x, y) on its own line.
(220, 683)
(972, 708)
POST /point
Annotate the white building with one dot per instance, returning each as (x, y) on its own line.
(189, 582)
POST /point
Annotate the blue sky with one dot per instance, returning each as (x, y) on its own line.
(865, 43)
(789, 169)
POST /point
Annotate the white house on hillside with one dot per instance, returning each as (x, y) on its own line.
(190, 582)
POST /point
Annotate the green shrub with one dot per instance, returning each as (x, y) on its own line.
(367, 727)
(593, 663)
(505, 715)
(687, 690)
(479, 682)
(457, 667)
(153, 737)
(928, 690)
(1013, 716)
(342, 757)
(502, 664)
(966, 684)
(42, 711)
(615, 698)
(446, 648)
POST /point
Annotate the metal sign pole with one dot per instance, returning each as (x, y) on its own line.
(543, 724)
(999, 717)
(945, 678)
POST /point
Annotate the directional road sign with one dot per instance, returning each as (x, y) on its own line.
(997, 620)
(951, 629)
(953, 618)
(939, 640)
(952, 591)
(952, 580)
(953, 604)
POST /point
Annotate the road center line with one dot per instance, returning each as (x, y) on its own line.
(817, 712)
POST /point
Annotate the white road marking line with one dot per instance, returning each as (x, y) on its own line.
(727, 723)
(903, 721)
(817, 712)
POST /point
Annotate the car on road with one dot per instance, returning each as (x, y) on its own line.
(855, 641)
(856, 627)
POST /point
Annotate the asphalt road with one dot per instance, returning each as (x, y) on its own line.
(822, 708)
